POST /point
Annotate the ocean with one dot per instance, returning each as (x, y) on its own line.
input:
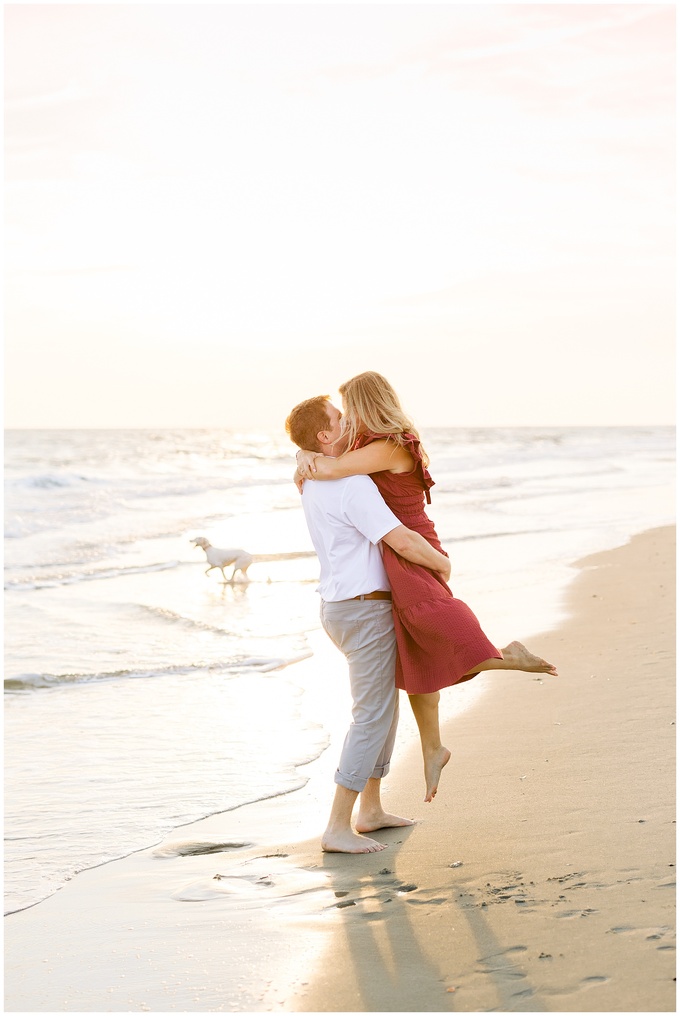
(142, 694)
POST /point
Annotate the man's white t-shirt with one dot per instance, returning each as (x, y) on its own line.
(347, 518)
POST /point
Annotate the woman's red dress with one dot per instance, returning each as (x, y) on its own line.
(439, 639)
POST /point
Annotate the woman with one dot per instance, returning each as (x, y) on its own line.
(439, 639)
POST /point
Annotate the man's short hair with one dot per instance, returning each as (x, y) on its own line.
(307, 420)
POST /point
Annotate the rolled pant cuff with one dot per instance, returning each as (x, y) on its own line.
(350, 782)
(358, 783)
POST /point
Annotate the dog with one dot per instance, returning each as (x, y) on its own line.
(240, 559)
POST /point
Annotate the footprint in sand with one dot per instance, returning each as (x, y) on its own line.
(216, 887)
(568, 914)
(507, 972)
(565, 878)
(278, 885)
(434, 900)
(586, 982)
(526, 993)
(188, 848)
(500, 965)
(650, 934)
(371, 896)
(503, 952)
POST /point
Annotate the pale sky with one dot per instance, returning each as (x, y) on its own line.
(215, 211)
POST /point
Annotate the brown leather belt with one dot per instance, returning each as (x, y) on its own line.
(379, 594)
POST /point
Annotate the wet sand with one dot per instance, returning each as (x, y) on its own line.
(541, 879)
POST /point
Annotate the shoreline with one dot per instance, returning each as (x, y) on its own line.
(161, 933)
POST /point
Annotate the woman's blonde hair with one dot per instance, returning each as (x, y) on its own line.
(371, 404)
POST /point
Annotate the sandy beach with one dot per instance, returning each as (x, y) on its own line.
(541, 879)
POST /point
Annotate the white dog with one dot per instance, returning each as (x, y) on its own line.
(240, 559)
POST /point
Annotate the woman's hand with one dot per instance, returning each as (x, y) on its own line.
(298, 480)
(446, 569)
(305, 464)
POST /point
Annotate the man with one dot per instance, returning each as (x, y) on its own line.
(347, 519)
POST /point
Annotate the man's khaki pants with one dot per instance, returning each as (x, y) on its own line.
(364, 632)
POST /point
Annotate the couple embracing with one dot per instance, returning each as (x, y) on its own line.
(385, 601)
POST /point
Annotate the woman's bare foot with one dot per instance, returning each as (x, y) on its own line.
(369, 821)
(347, 842)
(434, 763)
(521, 659)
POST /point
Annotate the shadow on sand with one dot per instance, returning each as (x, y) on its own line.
(387, 940)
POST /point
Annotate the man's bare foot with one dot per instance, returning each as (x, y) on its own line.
(371, 821)
(434, 763)
(521, 659)
(347, 842)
